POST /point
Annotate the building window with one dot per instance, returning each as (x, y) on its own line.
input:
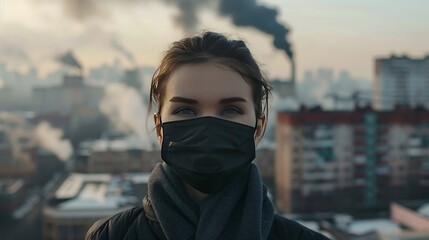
(425, 163)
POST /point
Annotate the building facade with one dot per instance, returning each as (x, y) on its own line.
(120, 155)
(12, 195)
(73, 96)
(285, 89)
(401, 80)
(350, 160)
(17, 154)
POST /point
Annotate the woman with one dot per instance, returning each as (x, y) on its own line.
(212, 105)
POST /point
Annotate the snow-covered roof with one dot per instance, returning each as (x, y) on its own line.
(73, 184)
(140, 178)
(121, 144)
(378, 225)
(92, 194)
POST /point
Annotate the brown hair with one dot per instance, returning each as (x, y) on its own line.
(212, 47)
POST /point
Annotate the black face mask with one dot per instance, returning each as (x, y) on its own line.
(208, 152)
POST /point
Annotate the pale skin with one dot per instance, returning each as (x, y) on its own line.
(208, 89)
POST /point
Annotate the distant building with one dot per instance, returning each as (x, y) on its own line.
(106, 73)
(73, 96)
(115, 156)
(48, 164)
(83, 199)
(11, 195)
(15, 88)
(350, 160)
(283, 88)
(410, 222)
(17, 156)
(132, 78)
(401, 81)
(373, 229)
(55, 119)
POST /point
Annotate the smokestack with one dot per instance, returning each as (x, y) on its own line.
(70, 60)
(293, 75)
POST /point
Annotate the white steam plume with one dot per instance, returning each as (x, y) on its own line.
(124, 107)
(51, 139)
(43, 135)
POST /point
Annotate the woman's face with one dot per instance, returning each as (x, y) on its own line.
(208, 89)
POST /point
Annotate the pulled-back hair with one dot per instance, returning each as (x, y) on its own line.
(216, 48)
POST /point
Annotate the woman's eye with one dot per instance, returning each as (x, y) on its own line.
(184, 111)
(232, 110)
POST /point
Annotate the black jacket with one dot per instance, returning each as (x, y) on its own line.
(136, 223)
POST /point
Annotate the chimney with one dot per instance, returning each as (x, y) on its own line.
(293, 76)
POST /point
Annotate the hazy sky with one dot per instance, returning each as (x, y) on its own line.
(339, 34)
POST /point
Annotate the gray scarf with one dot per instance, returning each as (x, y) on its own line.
(241, 210)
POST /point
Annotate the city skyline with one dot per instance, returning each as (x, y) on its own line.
(74, 92)
(330, 34)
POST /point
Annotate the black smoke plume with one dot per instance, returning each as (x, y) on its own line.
(83, 9)
(248, 13)
(187, 17)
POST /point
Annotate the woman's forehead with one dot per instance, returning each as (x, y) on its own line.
(205, 80)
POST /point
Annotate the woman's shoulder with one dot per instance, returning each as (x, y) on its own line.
(117, 226)
(130, 222)
(284, 228)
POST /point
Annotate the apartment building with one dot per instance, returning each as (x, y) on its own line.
(350, 160)
(401, 80)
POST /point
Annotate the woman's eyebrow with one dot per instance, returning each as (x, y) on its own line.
(193, 101)
(184, 100)
(231, 100)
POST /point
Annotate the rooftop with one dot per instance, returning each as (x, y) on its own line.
(117, 144)
(373, 225)
(92, 195)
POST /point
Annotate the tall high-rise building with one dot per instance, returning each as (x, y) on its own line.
(401, 81)
(350, 160)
